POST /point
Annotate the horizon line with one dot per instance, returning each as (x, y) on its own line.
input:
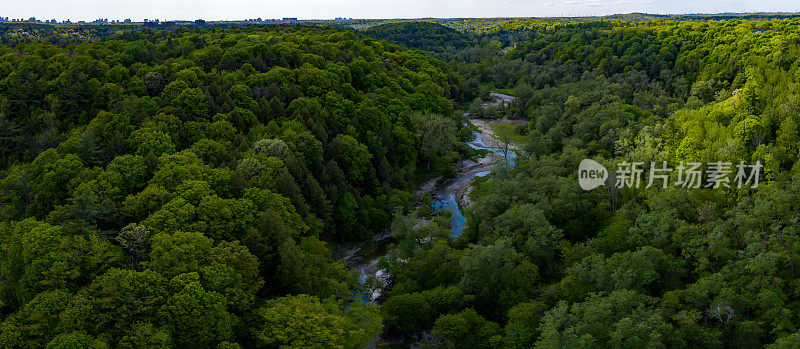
(34, 19)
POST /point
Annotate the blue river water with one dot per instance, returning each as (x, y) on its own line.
(444, 200)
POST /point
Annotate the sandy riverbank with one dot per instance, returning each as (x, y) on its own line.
(463, 187)
(489, 138)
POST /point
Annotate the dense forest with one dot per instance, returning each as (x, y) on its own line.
(190, 187)
(544, 263)
(175, 188)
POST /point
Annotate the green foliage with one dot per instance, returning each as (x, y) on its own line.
(623, 318)
(522, 329)
(354, 155)
(557, 266)
(39, 257)
(307, 268)
(36, 322)
(498, 276)
(196, 316)
(438, 138)
(305, 321)
(468, 329)
(158, 187)
(179, 188)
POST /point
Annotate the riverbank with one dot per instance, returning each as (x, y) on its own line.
(450, 195)
(469, 170)
(490, 140)
(487, 139)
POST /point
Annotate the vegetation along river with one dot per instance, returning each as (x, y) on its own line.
(447, 197)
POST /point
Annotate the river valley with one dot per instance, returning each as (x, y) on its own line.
(450, 195)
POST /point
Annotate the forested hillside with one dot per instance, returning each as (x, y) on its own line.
(544, 263)
(175, 188)
(189, 187)
(426, 36)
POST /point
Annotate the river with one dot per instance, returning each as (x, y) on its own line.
(446, 199)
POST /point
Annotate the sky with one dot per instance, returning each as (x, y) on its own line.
(138, 10)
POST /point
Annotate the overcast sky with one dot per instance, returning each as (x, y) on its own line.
(327, 9)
